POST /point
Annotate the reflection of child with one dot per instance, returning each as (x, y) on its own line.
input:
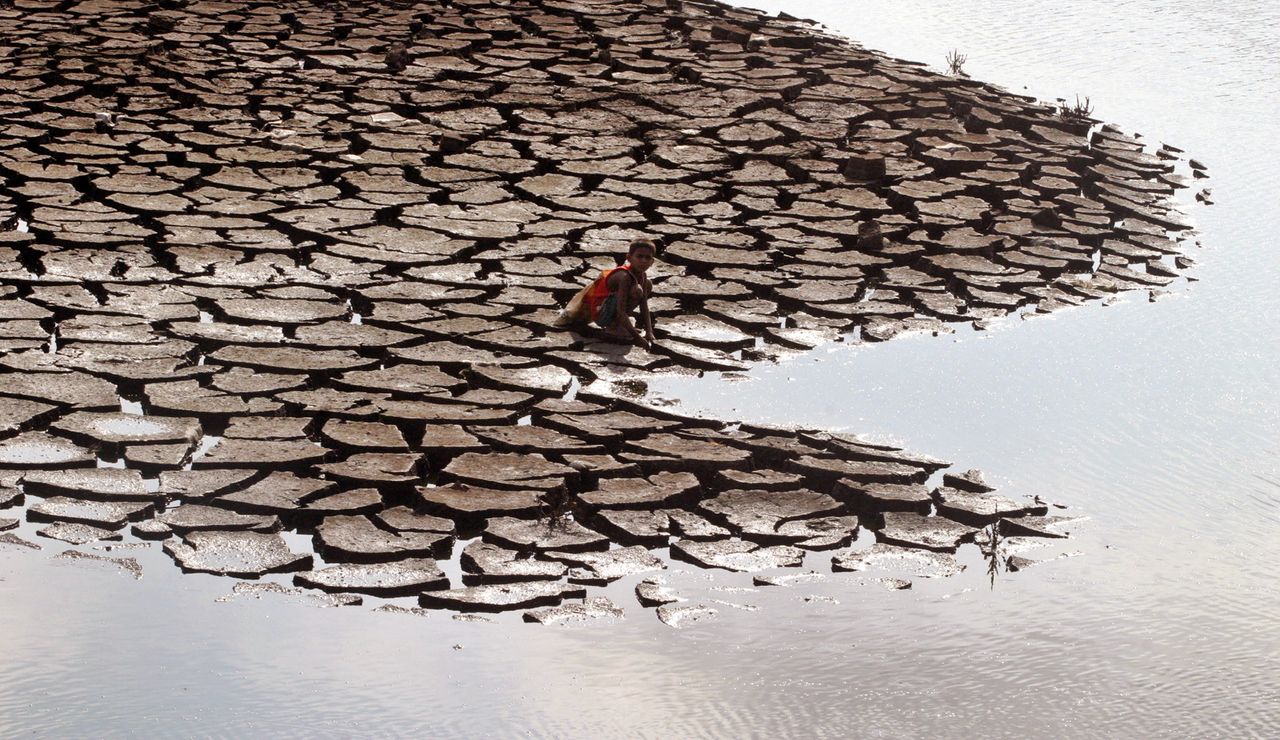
(609, 300)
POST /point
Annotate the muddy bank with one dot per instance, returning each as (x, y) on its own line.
(293, 267)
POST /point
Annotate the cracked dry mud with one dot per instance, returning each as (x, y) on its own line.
(294, 266)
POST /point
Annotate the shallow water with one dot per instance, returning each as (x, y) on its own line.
(1158, 420)
(130, 427)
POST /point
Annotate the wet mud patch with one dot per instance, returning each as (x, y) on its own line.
(278, 291)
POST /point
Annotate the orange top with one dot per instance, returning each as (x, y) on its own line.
(600, 290)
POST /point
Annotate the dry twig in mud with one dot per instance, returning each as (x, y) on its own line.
(557, 509)
(1080, 111)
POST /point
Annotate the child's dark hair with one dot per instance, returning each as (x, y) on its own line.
(649, 244)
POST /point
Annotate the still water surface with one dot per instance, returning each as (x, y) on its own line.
(1160, 421)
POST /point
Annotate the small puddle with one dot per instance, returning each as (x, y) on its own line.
(129, 427)
(35, 452)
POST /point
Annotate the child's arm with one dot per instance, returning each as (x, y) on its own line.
(648, 319)
(648, 316)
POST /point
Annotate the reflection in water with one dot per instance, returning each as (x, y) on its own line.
(1158, 419)
(989, 542)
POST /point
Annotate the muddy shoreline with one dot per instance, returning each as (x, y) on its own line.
(319, 250)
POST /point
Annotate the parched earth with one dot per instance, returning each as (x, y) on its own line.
(293, 266)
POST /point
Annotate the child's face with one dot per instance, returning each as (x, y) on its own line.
(641, 258)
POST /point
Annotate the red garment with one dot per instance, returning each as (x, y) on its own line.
(600, 290)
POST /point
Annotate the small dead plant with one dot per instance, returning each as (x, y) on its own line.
(557, 509)
(955, 63)
(1081, 110)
